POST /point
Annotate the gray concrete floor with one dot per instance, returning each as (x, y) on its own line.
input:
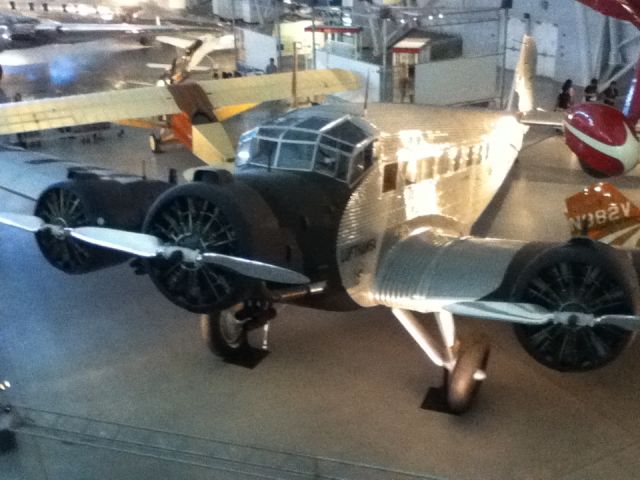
(113, 381)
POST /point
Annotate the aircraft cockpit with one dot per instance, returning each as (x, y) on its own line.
(326, 142)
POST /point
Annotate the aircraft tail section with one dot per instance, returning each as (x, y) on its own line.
(524, 74)
(603, 213)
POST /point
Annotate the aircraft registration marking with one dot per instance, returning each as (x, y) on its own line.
(613, 213)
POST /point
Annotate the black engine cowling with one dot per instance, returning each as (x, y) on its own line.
(94, 202)
(228, 218)
(581, 276)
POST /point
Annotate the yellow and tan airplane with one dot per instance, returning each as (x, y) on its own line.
(192, 110)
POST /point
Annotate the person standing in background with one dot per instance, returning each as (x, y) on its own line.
(272, 67)
(591, 91)
(610, 94)
(565, 97)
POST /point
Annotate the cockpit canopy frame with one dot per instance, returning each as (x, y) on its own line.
(324, 142)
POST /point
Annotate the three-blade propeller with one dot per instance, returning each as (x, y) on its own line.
(148, 246)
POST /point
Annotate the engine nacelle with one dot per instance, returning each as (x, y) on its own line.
(602, 139)
(582, 276)
(91, 202)
(228, 218)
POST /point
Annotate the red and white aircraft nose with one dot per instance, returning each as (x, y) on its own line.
(602, 139)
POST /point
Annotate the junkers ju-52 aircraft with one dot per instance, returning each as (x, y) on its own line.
(332, 210)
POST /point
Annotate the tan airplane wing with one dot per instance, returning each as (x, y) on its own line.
(144, 102)
(277, 86)
(85, 109)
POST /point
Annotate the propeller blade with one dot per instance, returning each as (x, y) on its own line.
(144, 245)
(255, 269)
(30, 223)
(139, 244)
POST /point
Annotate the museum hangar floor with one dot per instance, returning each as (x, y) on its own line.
(113, 381)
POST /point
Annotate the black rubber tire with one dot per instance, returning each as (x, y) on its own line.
(224, 340)
(462, 387)
(576, 276)
(155, 143)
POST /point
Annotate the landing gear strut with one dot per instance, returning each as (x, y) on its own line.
(227, 331)
(464, 367)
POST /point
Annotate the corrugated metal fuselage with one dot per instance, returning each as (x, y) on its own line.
(442, 174)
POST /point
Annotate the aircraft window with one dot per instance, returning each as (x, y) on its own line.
(343, 168)
(348, 132)
(313, 123)
(264, 152)
(326, 161)
(302, 135)
(297, 156)
(333, 143)
(361, 162)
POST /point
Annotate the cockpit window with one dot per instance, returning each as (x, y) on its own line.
(264, 152)
(347, 132)
(330, 144)
(296, 156)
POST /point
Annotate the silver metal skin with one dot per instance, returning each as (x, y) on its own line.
(400, 234)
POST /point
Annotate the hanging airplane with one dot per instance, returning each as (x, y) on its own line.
(21, 31)
(334, 210)
(195, 51)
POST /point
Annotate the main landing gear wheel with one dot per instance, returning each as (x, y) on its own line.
(464, 381)
(155, 143)
(579, 282)
(225, 334)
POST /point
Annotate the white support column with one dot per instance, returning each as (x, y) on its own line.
(584, 43)
(598, 46)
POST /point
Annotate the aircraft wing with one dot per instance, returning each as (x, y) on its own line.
(104, 27)
(144, 102)
(493, 279)
(175, 41)
(540, 117)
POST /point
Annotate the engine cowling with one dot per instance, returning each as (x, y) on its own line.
(602, 139)
(104, 203)
(582, 276)
(228, 218)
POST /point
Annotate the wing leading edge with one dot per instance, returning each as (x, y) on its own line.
(144, 102)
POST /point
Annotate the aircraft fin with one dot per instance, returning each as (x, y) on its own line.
(523, 76)
(603, 213)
